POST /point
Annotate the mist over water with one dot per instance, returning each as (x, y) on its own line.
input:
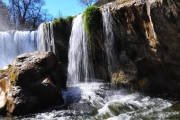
(13, 43)
(83, 99)
(80, 66)
(100, 101)
(3, 22)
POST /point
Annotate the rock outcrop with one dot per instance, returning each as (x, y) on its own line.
(37, 79)
(62, 31)
(148, 32)
(146, 45)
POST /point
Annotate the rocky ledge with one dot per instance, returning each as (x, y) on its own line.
(147, 42)
(34, 82)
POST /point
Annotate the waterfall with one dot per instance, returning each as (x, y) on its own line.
(109, 40)
(79, 63)
(46, 37)
(25, 41)
(13, 43)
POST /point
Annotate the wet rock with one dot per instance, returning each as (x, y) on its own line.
(37, 79)
(3, 75)
(149, 37)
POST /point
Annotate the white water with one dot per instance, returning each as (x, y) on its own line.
(109, 39)
(79, 63)
(46, 37)
(13, 43)
(95, 100)
(100, 101)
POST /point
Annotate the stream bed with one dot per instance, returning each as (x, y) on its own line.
(99, 101)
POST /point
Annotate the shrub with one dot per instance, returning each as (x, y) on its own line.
(59, 22)
(68, 19)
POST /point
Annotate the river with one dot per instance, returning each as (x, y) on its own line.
(100, 101)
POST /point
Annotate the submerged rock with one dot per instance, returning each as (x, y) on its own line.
(37, 80)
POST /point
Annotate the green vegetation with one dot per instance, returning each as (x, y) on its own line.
(7, 70)
(68, 19)
(59, 22)
(11, 74)
(63, 26)
(92, 21)
(94, 30)
(62, 31)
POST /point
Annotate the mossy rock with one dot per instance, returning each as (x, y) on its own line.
(92, 21)
(58, 22)
(62, 31)
(120, 78)
(6, 70)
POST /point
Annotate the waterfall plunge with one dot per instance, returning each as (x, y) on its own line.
(13, 43)
(80, 67)
(109, 40)
(80, 64)
(46, 37)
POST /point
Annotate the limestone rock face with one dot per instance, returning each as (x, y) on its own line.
(33, 66)
(37, 80)
(148, 32)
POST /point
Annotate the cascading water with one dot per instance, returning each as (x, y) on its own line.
(25, 41)
(13, 43)
(46, 37)
(96, 100)
(109, 40)
(79, 66)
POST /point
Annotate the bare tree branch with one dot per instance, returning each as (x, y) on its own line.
(87, 2)
(27, 12)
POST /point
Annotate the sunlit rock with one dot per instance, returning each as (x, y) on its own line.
(36, 79)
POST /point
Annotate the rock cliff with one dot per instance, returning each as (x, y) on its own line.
(146, 45)
(148, 34)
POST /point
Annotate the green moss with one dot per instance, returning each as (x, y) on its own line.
(118, 79)
(63, 26)
(7, 70)
(62, 31)
(92, 21)
(11, 74)
(68, 19)
(59, 22)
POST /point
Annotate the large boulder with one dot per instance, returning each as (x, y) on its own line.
(37, 79)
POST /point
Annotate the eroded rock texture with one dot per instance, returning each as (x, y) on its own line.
(148, 35)
(37, 79)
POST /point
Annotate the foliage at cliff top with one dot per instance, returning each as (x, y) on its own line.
(58, 22)
(92, 20)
